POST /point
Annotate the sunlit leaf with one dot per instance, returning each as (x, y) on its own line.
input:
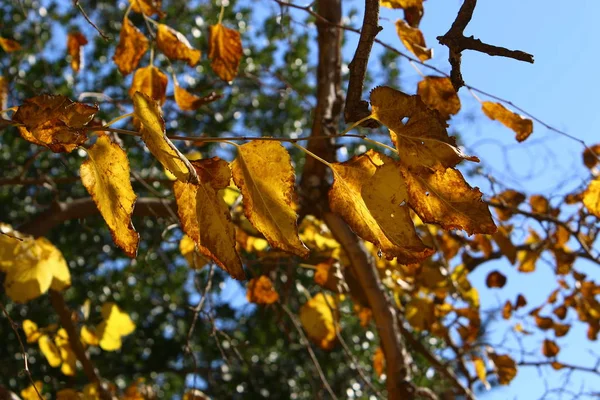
(187, 247)
(50, 351)
(106, 176)
(438, 93)
(539, 204)
(509, 199)
(190, 102)
(420, 313)
(131, 48)
(68, 357)
(114, 326)
(320, 319)
(150, 81)
(481, 371)
(75, 43)
(147, 7)
(379, 362)
(32, 334)
(29, 393)
(414, 40)
(175, 46)
(591, 197)
(523, 127)
(224, 51)
(260, 291)
(89, 336)
(506, 368)
(9, 46)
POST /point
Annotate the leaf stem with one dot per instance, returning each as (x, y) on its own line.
(117, 120)
(222, 11)
(313, 155)
(354, 125)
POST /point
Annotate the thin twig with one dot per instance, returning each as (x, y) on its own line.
(104, 36)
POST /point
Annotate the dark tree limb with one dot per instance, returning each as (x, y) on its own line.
(456, 42)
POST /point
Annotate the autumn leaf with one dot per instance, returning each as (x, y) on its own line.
(445, 198)
(591, 197)
(154, 135)
(502, 239)
(54, 122)
(75, 42)
(32, 334)
(50, 351)
(190, 102)
(438, 93)
(147, 7)
(561, 330)
(175, 46)
(320, 319)
(131, 48)
(423, 140)
(260, 291)
(9, 45)
(89, 336)
(528, 258)
(205, 217)
(506, 368)
(420, 313)
(187, 247)
(523, 127)
(591, 155)
(150, 81)
(550, 348)
(413, 39)
(507, 310)
(106, 176)
(114, 326)
(69, 360)
(30, 393)
(508, 199)
(560, 312)
(539, 204)
(225, 51)
(402, 3)
(481, 371)
(379, 361)
(495, 279)
(264, 173)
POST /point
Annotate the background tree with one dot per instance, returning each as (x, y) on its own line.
(393, 316)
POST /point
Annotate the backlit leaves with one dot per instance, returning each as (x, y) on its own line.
(150, 81)
(523, 127)
(50, 351)
(55, 122)
(114, 326)
(264, 173)
(438, 93)
(105, 175)
(413, 39)
(190, 102)
(9, 45)
(260, 291)
(175, 46)
(320, 319)
(224, 51)
(75, 42)
(131, 48)
(591, 197)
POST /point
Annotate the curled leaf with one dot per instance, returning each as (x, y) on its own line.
(523, 127)
(175, 46)
(75, 42)
(225, 51)
(413, 39)
(495, 279)
(131, 48)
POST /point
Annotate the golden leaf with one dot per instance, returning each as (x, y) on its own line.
(205, 217)
(379, 361)
(371, 197)
(187, 247)
(147, 7)
(153, 134)
(502, 239)
(54, 122)
(495, 279)
(31, 331)
(529, 258)
(413, 39)
(481, 371)
(75, 42)
(225, 51)
(265, 175)
(523, 127)
(89, 337)
(423, 140)
(9, 45)
(50, 351)
(591, 197)
(69, 360)
(560, 312)
(260, 291)
(175, 46)
(150, 81)
(328, 276)
(445, 198)
(539, 204)
(115, 325)
(507, 310)
(30, 393)
(105, 175)
(438, 93)
(131, 48)
(402, 3)
(550, 348)
(190, 102)
(420, 313)
(506, 368)
(318, 320)
(590, 155)
(508, 199)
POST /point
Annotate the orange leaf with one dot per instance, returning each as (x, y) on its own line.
(264, 173)
(550, 348)
(507, 310)
(520, 302)
(105, 175)
(379, 361)
(54, 122)
(523, 127)
(201, 205)
(75, 41)
(495, 279)
(590, 156)
(147, 7)
(560, 312)
(438, 93)
(509, 199)
(9, 45)
(561, 330)
(260, 291)
(539, 204)
(190, 102)
(131, 48)
(544, 323)
(413, 39)
(150, 81)
(506, 368)
(502, 239)
(175, 46)
(402, 3)
(225, 51)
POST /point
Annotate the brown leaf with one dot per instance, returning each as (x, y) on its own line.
(147, 7)
(438, 93)
(190, 102)
(520, 302)
(260, 291)
(131, 48)
(502, 239)
(507, 310)
(539, 204)
(152, 82)
(544, 323)
(495, 279)
(202, 206)
(590, 156)
(561, 330)
(75, 42)
(175, 46)
(225, 51)
(54, 122)
(523, 127)
(413, 39)
(9, 45)
(264, 173)
(3, 94)
(550, 348)
(506, 368)
(509, 199)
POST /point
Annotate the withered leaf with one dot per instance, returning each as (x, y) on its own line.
(508, 199)
(75, 42)
(413, 39)
(507, 310)
(205, 217)
(55, 122)
(550, 348)
(520, 302)
(190, 102)
(105, 175)
(502, 239)
(495, 279)
(506, 368)
(539, 204)
(9, 45)
(560, 312)
(438, 93)
(175, 46)
(544, 323)
(225, 51)
(131, 48)
(591, 155)
(150, 81)
(523, 127)
(561, 330)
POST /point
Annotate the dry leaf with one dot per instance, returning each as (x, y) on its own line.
(320, 319)
(523, 127)
(152, 82)
(147, 7)
(190, 102)
(131, 48)
(420, 313)
(591, 155)
(438, 93)
(591, 197)
(75, 42)
(508, 199)
(495, 279)
(205, 217)
(506, 368)
(105, 175)
(260, 291)
(507, 310)
(175, 46)
(264, 173)
(550, 348)
(502, 239)
(225, 51)
(9, 45)
(413, 39)
(379, 361)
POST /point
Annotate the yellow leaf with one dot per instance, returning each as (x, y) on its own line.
(54, 122)
(91, 392)
(153, 134)
(413, 39)
(175, 46)
(264, 173)
(260, 291)
(371, 197)
(75, 42)
(420, 313)
(31, 331)
(438, 93)
(423, 140)
(225, 51)
(205, 217)
(131, 48)
(190, 102)
(50, 351)
(30, 393)
(89, 337)
(192, 156)
(187, 247)
(318, 320)
(402, 3)
(147, 7)
(105, 175)
(523, 127)
(9, 45)
(152, 82)
(379, 361)
(506, 368)
(116, 324)
(69, 360)
(444, 197)
(550, 348)
(591, 197)
(481, 372)
(529, 258)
